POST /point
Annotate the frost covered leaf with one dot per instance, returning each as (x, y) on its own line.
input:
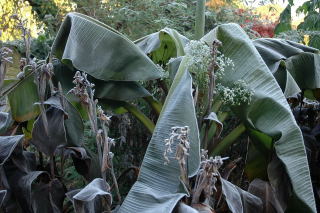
(7, 146)
(101, 51)
(95, 197)
(213, 117)
(47, 143)
(5, 121)
(158, 185)
(264, 191)
(240, 201)
(276, 120)
(2, 196)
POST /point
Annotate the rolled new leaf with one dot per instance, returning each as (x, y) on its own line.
(163, 45)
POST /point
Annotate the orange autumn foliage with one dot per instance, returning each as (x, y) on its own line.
(216, 3)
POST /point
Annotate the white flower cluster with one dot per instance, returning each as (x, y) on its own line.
(199, 54)
(236, 95)
(200, 59)
(223, 62)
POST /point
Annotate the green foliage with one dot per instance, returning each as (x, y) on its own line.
(138, 18)
(310, 26)
(285, 21)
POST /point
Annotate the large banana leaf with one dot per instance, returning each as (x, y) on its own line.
(305, 69)
(273, 51)
(114, 90)
(300, 65)
(158, 187)
(268, 111)
(100, 51)
(163, 45)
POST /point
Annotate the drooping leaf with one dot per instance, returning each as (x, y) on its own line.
(85, 162)
(203, 208)
(286, 82)
(279, 181)
(90, 199)
(5, 121)
(158, 185)
(14, 163)
(299, 69)
(2, 196)
(47, 142)
(173, 66)
(36, 193)
(24, 187)
(74, 126)
(114, 90)
(264, 191)
(22, 100)
(213, 117)
(73, 122)
(305, 69)
(268, 111)
(100, 51)
(18, 178)
(239, 200)
(48, 197)
(7, 146)
(273, 51)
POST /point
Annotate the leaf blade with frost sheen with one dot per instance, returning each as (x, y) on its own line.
(158, 185)
(276, 120)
